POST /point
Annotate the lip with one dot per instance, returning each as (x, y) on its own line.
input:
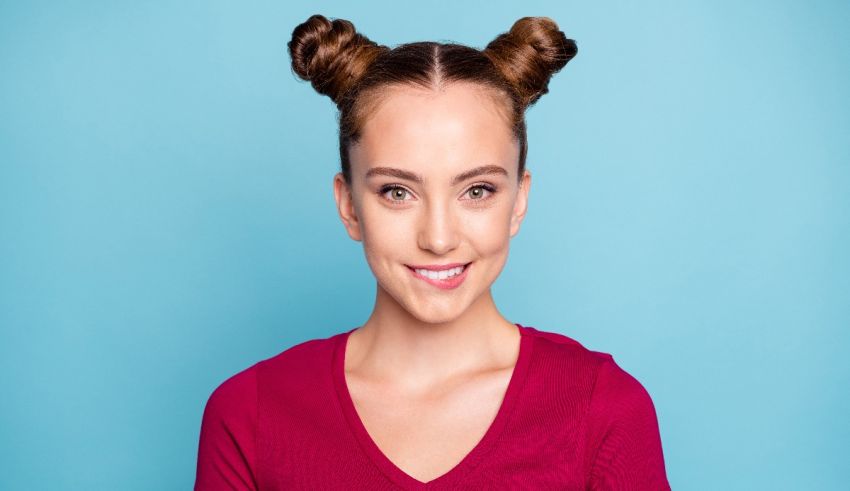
(436, 267)
(446, 284)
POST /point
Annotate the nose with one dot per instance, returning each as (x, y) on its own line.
(438, 229)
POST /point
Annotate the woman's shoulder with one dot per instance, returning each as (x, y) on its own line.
(568, 360)
(623, 443)
(310, 356)
(297, 362)
(563, 352)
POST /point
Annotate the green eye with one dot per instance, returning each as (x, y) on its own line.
(394, 194)
(479, 191)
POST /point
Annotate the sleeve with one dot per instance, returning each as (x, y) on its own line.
(226, 449)
(625, 444)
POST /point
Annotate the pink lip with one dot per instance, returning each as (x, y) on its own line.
(446, 284)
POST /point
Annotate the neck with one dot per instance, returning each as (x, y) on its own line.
(395, 346)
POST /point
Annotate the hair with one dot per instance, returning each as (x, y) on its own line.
(355, 72)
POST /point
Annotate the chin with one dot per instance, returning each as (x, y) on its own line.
(435, 318)
(436, 314)
(426, 310)
(434, 308)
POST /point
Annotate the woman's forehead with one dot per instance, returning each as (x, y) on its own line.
(436, 131)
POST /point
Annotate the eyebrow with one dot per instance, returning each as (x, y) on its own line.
(410, 176)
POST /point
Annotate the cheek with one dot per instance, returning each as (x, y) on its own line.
(488, 230)
(384, 234)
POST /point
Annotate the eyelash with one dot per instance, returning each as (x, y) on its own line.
(390, 187)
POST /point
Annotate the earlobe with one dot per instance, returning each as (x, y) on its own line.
(521, 204)
(345, 207)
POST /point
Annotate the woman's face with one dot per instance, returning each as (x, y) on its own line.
(434, 183)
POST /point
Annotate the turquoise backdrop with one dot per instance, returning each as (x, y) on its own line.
(167, 219)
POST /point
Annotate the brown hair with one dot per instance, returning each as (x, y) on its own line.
(351, 69)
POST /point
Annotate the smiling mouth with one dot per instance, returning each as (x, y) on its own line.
(444, 278)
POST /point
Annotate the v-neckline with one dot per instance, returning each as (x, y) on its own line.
(471, 459)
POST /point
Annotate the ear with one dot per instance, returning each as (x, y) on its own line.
(345, 207)
(521, 203)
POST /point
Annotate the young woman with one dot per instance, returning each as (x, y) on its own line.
(436, 390)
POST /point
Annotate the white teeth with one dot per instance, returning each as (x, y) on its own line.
(440, 275)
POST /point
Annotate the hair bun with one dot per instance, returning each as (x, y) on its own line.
(331, 54)
(529, 54)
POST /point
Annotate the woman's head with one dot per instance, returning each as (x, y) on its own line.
(432, 141)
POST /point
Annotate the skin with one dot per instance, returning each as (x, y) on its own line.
(429, 368)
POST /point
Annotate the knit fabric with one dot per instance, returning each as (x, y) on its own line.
(570, 419)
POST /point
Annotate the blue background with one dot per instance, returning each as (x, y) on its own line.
(167, 219)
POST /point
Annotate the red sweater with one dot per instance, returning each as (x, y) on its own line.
(571, 419)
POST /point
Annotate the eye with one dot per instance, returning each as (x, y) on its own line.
(480, 192)
(394, 193)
